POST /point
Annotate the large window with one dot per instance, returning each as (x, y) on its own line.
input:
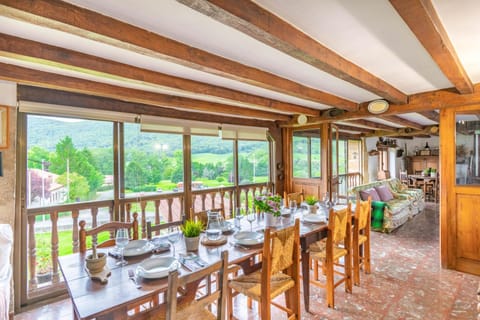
(253, 162)
(153, 162)
(68, 160)
(306, 154)
(467, 155)
(212, 162)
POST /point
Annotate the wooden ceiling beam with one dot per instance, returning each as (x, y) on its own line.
(404, 132)
(344, 127)
(431, 115)
(373, 124)
(253, 20)
(65, 98)
(404, 122)
(54, 81)
(43, 54)
(421, 17)
(425, 101)
(91, 25)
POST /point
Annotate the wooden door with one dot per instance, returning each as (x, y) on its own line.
(460, 189)
(333, 162)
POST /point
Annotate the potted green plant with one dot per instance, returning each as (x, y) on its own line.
(191, 231)
(312, 203)
(433, 172)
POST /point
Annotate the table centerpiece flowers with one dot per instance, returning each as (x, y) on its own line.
(270, 205)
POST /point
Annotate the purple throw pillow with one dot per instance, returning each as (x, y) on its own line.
(364, 194)
(384, 193)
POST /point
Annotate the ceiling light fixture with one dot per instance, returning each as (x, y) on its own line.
(302, 119)
(378, 106)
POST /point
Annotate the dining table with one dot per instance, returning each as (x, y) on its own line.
(120, 296)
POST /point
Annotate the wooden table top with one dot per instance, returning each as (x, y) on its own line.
(93, 299)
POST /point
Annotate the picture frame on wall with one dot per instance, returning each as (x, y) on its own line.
(3, 127)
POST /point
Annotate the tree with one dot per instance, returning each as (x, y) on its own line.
(135, 176)
(35, 156)
(64, 150)
(77, 184)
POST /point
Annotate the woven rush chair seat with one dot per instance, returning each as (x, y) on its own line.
(318, 250)
(279, 273)
(327, 253)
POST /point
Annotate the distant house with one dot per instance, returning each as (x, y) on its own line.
(44, 189)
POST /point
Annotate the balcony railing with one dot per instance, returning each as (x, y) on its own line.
(53, 231)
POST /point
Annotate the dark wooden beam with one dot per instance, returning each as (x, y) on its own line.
(404, 122)
(421, 17)
(55, 81)
(43, 54)
(431, 115)
(251, 19)
(91, 25)
(59, 97)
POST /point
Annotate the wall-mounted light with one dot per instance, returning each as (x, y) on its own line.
(302, 119)
(378, 106)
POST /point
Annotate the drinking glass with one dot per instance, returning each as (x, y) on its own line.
(293, 206)
(251, 216)
(121, 240)
(173, 237)
(334, 198)
(326, 200)
(239, 213)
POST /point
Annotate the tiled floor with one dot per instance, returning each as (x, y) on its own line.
(407, 282)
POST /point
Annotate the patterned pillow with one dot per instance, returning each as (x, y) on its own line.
(369, 192)
(384, 193)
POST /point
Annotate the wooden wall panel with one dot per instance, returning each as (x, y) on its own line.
(468, 226)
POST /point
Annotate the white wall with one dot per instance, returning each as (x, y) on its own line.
(397, 164)
(8, 97)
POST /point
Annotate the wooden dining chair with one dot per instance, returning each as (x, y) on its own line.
(203, 215)
(185, 299)
(297, 196)
(279, 273)
(161, 226)
(361, 238)
(109, 226)
(328, 252)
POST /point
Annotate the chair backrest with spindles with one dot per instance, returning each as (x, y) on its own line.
(109, 226)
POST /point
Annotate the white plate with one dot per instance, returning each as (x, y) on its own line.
(157, 267)
(248, 238)
(137, 248)
(314, 218)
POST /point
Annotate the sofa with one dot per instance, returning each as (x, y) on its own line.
(401, 203)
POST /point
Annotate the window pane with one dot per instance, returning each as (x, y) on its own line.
(300, 157)
(315, 157)
(212, 162)
(467, 155)
(68, 160)
(354, 155)
(253, 161)
(153, 161)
